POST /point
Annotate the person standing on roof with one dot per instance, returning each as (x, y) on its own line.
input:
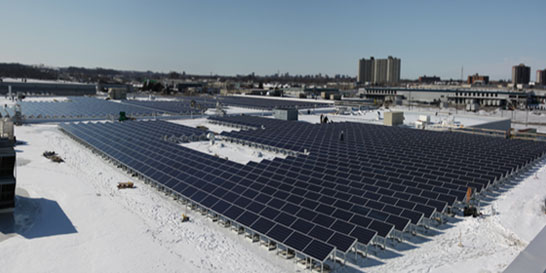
(341, 135)
(321, 119)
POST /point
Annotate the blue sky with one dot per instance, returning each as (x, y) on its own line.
(299, 37)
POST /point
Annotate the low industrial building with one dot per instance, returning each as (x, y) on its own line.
(478, 79)
(497, 98)
(428, 79)
(53, 89)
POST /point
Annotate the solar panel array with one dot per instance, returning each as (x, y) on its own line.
(269, 104)
(178, 106)
(342, 193)
(81, 107)
(453, 158)
(93, 108)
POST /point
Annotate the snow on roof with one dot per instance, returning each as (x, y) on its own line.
(139, 230)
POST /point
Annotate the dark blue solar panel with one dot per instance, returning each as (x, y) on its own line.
(285, 219)
(247, 218)
(321, 233)
(209, 201)
(276, 203)
(279, 233)
(342, 242)
(306, 214)
(198, 196)
(318, 250)
(342, 226)
(309, 204)
(221, 206)
(290, 208)
(413, 216)
(233, 212)
(297, 241)
(262, 225)
(270, 213)
(242, 202)
(382, 229)
(342, 215)
(302, 226)
(364, 236)
(255, 207)
(325, 209)
(323, 220)
(378, 215)
(399, 223)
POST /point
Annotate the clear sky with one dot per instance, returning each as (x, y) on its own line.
(296, 36)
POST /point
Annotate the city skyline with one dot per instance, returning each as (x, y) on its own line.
(299, 38)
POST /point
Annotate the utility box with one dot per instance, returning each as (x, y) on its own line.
(6, 128)
(393, 118)
(328, 94)
(117, 93)
(286, 113)
(335, 96)
(424, 118)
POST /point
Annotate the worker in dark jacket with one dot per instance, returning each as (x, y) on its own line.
(341, 135)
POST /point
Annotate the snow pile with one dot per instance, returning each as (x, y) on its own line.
(217, 129)
(230, 151)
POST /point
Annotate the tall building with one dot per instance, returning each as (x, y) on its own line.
(379, 71)
(365, 71)
(521, 74)
(393, 70)
(541, 77)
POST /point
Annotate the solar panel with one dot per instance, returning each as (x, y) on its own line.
(302, 226)
(364, 236)
(318, 250)
(262, 225)
(233, 212)
(298, 241)
(342, 242)
(279, 233)
(247, 218)
(285, 219)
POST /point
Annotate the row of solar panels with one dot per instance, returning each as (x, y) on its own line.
(177, 106)
(478, 178)
(477, 170)
(269, 104)
(418, 157)
(79, 107)
(89, 107)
